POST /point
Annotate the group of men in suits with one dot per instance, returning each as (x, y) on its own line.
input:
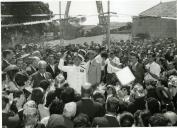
(40, 70)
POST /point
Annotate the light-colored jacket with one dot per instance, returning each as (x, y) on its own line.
(93, 72)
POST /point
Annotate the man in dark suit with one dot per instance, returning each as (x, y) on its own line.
(41, 74)
(137, 68)
(7, 57)
(109, 119)
(52, 67)
(32, 68)
(86, 105)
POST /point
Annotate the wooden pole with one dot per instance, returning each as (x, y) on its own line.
(61, 35)
(108, 26)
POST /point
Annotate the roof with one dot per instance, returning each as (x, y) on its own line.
(166, 9)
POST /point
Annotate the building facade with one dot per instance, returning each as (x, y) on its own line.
(159, 21)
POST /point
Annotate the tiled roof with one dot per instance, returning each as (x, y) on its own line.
(166, 9)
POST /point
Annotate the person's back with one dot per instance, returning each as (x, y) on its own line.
(87, 106)
(90, 107)
(109, 119)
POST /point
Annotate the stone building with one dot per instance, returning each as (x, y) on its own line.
(159, 21)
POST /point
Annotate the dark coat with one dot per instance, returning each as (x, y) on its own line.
(55, 72)
(91, 108)
(138, 73)
(10, 121)
(36, 78)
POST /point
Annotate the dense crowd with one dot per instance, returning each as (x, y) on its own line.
(77, 86)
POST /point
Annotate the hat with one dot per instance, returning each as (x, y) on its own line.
(83, 51)
(79, 55)
(11, 68)
(69, 109)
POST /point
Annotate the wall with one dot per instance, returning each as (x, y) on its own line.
(155, 27)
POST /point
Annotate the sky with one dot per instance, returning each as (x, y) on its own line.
(125, 9)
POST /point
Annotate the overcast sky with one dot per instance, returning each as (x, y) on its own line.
(125, 9)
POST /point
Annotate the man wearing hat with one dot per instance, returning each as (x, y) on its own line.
(76, 73)
(93, 69)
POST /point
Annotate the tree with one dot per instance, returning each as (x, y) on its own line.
(20, 12)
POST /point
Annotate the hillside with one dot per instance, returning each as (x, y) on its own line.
(96, 39)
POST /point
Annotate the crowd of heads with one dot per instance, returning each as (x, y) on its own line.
(53, 103)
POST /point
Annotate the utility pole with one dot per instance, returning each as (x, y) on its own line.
(61, 31)
(108, 26)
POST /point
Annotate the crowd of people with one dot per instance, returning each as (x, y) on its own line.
(77, 86)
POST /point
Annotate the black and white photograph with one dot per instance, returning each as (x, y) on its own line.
(88, 63)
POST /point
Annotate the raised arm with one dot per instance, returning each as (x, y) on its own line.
(61, 64)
